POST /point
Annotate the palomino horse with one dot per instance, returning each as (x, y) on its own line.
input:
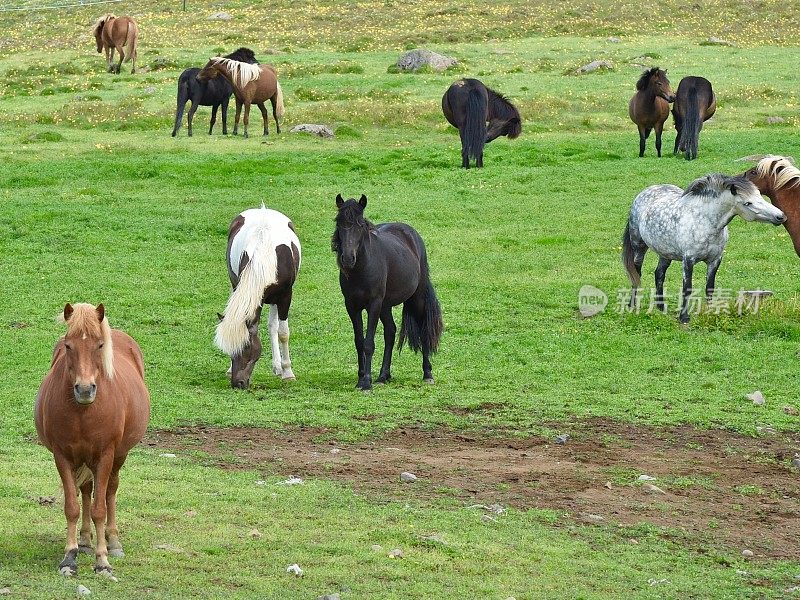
(110, 33)
(690, 226)
(91, 409)
(251, 84)
(381, 266)
(695, 102)
(467, 106)
(213, 92)
(263, 260)
(649, 107)
(778, 178)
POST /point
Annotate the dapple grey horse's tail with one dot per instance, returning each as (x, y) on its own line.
(475, 124)
(692, 123)
(627, 258)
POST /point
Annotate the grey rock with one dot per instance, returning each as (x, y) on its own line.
(757, 397)
(646, 478)
(591, 518)
(376, 548)
(796, 462)
(220, 16)
(329, 597)
(613, 40)
(775, 120)
(747, 553)
(407, 477)
(562, 439)
(295, 570)
(5, 591)
(595, 65)
(150, 90)
(83, 590)
(396, 553)
(413, 60)
(715, 41)
(322, 131)
(652, 489)
(254, 534)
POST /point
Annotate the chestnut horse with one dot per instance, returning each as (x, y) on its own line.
(110, 33)
(649, 107)
(91, 409)
(252, 84)
(779, 179)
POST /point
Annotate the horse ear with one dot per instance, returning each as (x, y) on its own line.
(220, 317)
(339, 201)
(101, 312)
(363, 201)
(67, 311)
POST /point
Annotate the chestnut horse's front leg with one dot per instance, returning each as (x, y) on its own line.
(102, 475)
(85, 543)
(112, 533)
(236, 120)
(109, 58)
(69, 565)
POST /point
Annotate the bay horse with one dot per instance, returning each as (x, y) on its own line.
(251, 84)
(468, 105)
(779, 179)
(213, 93)
(695, 103)
(690, 226)
(92, 408)
(263, 259)
(649, 106)
(112, 32)
(381, 266)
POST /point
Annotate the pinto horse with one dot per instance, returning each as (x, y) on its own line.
(110, 33)
(263, 261)
(649, 107)
(381, 266)
(467, 106)
(779, 179)
(695, 103)
(213, 93)
(92, 408)
(690, 226)
(251, 84)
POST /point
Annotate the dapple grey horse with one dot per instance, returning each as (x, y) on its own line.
(690, 226)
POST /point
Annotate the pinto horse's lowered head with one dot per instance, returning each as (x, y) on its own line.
(352, 230)
(89, 350)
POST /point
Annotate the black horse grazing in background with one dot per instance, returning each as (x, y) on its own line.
(213, 92)
(695, 102)
(381, 266)
(467, 106)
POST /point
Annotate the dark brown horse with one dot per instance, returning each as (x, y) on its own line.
(110, 33)
(252, 84)
(779, 179)
(468, 105)
(91, 409)
(381, 266)
(695, 103)
(649, 107)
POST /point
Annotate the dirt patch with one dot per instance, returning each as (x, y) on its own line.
(719, 487)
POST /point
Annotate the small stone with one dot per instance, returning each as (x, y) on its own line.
(595, 65)
(396, 553)
(291, 481)
(5, 591)
(191, 513)
(376, 548)
(83, 590)
(329, 597)
(633, 541)
(295, 570)
(562, 439)
(646, 478)
(322, 131)
(46, 500)
(591, 518)
(767, 429)
(407, 477)
(654, 582)
(775, 120)
(220, 16)
(747, 553)
(254, 534)
(167, 455)
(652, 489)
(413, 60)
(791, 410)
(757, 397)
(335, 450)
(613, 40)
(715, 41)
(796, 462)
(496, 509)
(260, 482)
(150, 90)
(608, 484)
(742, 573)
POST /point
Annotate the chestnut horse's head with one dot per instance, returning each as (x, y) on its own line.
(88, 350)
(97, 30)
(211, 70)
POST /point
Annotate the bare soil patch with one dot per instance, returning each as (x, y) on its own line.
(719, 487)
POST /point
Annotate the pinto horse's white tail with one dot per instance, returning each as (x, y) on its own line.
(262, 271)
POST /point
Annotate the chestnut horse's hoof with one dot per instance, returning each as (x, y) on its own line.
(82, 549)
(69, 566)
(116, 552)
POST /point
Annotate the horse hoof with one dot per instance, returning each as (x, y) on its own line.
(116, 552)
(428, 380)
(103, 569)
(83, 549)
(364, 387)
(288, 378)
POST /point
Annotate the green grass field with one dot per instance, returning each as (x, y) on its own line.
(100, 204)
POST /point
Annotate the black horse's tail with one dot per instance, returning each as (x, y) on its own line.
(627, 258)
(422, 328)
(475, 124)
(183, 98)
(692, 123)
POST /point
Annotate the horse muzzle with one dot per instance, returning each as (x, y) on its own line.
(84, 394)
(779, 220)
(240, 384)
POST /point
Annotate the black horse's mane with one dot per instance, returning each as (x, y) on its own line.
(245, 55)
(645, 78)
(502, 108)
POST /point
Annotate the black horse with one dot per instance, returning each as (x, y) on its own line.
(695, 102)
(213, 92)
(381, 266)
(467, 106)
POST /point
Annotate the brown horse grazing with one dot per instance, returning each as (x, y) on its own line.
(252, 84)
(91, 409)
(110, 33)
(649, 107)
(695, 103)
(779, 179)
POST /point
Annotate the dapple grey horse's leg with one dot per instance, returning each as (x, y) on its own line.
(688, 267)
(389, 331)
(661, 272)
(712, 276)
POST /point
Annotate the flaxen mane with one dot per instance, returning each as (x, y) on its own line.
(242, 73)
(84, 321)
(98, 25)
(781, 169)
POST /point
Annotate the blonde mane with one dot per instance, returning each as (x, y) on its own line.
(789, 175)
(100, 22)
(242, 73)
(83, 321)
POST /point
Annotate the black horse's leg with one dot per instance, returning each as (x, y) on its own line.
(225, 115)
(236, 120)
(712, 277)
(688, 266)
(274, 102)
(479, 160)
(358, 335)
(678, 128)
(464, 150)
(265, 116)
(373, 314)
(192, 110)
(213, 118)
(661, 272)
(389, 331)
(659, 129)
